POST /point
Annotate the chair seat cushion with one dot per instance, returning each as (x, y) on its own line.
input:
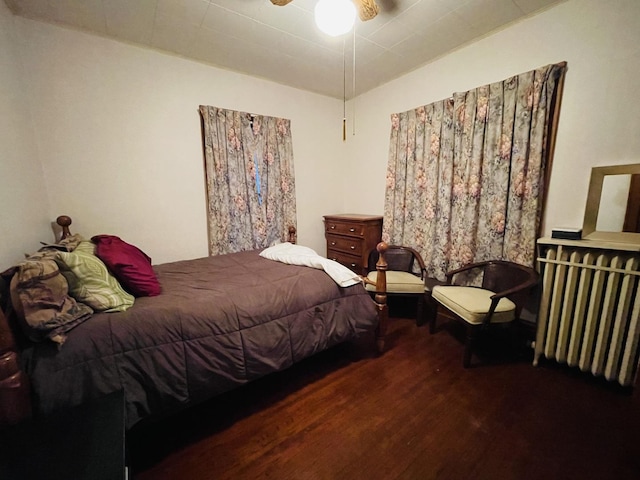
(398, 282)
(472, 304)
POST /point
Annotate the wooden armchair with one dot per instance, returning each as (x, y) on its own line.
(405, 275)
(505, 288)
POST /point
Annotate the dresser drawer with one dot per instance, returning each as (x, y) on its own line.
(354, 262)
(345, 244)
(345, 228)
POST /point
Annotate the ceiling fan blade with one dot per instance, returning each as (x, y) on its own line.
(367, 9)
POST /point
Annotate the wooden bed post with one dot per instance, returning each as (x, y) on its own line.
(64, 221)
(15, 400)
(293, 236)
(381, 296)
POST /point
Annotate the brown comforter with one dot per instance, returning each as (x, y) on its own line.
(220, 322)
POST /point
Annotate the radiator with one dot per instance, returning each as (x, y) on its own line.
(589, 315)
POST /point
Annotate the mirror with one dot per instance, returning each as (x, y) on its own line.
(613, 203)
(608, 214)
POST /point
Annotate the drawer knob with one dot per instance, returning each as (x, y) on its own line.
(333, 244)
(353, 247)
(352, 229)
(353, 264)
(333, 227)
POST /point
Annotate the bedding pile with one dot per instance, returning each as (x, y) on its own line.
(219, 323)
(59, 287)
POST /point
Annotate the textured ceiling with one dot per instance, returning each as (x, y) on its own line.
(283, 44)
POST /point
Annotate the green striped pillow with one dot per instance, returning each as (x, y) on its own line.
(90, 281)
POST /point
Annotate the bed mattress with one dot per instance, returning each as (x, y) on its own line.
(219, 323)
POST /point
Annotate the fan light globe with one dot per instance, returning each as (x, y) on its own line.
(335, 17)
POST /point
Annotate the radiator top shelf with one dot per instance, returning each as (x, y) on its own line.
(587, 243)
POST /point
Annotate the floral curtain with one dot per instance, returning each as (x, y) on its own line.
(249, 179)
(466, 175)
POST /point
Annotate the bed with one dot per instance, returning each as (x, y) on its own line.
(219, 322)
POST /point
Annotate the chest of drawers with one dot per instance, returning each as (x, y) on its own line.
(350, 237)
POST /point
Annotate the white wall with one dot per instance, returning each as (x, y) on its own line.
(118, 134)
(24, 212)
(599, 120)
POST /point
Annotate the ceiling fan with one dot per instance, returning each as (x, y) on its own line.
(367, 9)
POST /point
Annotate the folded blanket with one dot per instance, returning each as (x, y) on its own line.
(305, 256)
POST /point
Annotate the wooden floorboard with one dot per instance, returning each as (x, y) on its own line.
(412, 413)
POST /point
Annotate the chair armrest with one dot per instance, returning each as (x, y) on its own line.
(519, 288)
(450, 274)
(418, 257)
(494, 304)
(505, 293)
(366, 280)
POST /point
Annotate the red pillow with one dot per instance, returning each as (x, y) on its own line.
(130, 265)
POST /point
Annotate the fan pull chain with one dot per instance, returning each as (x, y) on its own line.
(344, 93)
(353, 86)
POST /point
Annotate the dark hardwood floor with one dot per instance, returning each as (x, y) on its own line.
(413, 413)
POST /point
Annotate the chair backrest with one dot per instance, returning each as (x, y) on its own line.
(500, 275)
(399, 258)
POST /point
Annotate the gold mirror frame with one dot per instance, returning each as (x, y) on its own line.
(589, 231)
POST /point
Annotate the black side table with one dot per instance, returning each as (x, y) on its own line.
(84, 442)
